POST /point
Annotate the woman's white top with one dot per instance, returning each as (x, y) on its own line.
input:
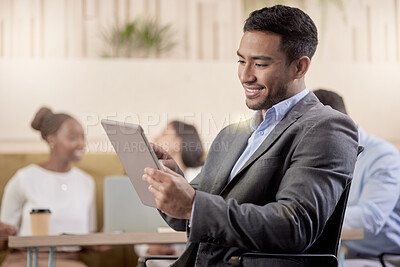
(70, 196)
(191, 173)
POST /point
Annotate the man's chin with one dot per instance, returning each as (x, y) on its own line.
(256, 106)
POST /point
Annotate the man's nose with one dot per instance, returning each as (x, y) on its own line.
(246, 74)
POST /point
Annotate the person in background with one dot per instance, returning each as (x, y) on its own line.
(54, 184)
(271, 183)
(374, 199)
(183, 143)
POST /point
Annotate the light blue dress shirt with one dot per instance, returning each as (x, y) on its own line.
(262, 128)
(374, 203)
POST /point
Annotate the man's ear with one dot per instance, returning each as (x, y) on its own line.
(300, 66)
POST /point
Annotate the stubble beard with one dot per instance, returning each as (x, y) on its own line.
(270, 100)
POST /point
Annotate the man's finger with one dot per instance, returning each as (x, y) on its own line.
(163, 167)
(153, 190)
(155, 174)
(156, 194)
(149, 179)
(159, 151)
(168, 170)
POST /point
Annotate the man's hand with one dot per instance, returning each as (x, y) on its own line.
(6, 230)
(173, 194)
(164, 157)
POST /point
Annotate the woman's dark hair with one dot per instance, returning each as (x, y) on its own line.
(48, 122)
(192, 149)
(298, 31)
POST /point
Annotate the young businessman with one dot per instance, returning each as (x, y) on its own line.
(269, 184)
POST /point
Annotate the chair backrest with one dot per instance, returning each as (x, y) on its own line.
(328, 242)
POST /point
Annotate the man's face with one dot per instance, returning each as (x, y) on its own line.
(262, 70)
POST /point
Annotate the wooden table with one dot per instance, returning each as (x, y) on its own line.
(53, 241)
(352, 234)
(34, 242)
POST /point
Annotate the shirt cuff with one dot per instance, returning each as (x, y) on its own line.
(191, 215)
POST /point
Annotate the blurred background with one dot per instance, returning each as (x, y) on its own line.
(152, 61)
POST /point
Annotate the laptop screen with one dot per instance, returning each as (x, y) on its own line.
(123, 210)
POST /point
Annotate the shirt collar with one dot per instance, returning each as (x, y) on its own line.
(277, 111)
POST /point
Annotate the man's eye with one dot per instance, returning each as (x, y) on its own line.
(241, 61)
(261, 65)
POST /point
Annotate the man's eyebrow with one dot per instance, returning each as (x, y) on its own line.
(262, 58)
(256, 57)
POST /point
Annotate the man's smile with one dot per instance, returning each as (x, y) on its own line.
(252, 91)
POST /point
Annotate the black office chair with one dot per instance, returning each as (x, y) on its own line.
(384, 257)
(322, 253)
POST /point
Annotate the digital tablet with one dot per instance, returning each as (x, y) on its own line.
(135, 153)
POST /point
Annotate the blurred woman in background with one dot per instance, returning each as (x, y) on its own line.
(55, 184)
(182, 142)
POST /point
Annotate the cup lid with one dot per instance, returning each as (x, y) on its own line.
(40, 211)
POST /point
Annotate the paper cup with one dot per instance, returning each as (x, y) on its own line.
(40, 221)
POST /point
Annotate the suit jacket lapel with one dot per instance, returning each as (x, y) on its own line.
(235, 150)
(296, 112)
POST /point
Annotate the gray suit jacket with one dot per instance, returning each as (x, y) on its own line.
(281, 199)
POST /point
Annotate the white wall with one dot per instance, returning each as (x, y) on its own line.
(203, 29)
(358, 56)
(149, 92)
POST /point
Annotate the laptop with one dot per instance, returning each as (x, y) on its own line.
(123, 210)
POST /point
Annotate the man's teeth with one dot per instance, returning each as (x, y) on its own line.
(253, 90)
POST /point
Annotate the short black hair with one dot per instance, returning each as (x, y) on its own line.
(331, 99)
(298, 31)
